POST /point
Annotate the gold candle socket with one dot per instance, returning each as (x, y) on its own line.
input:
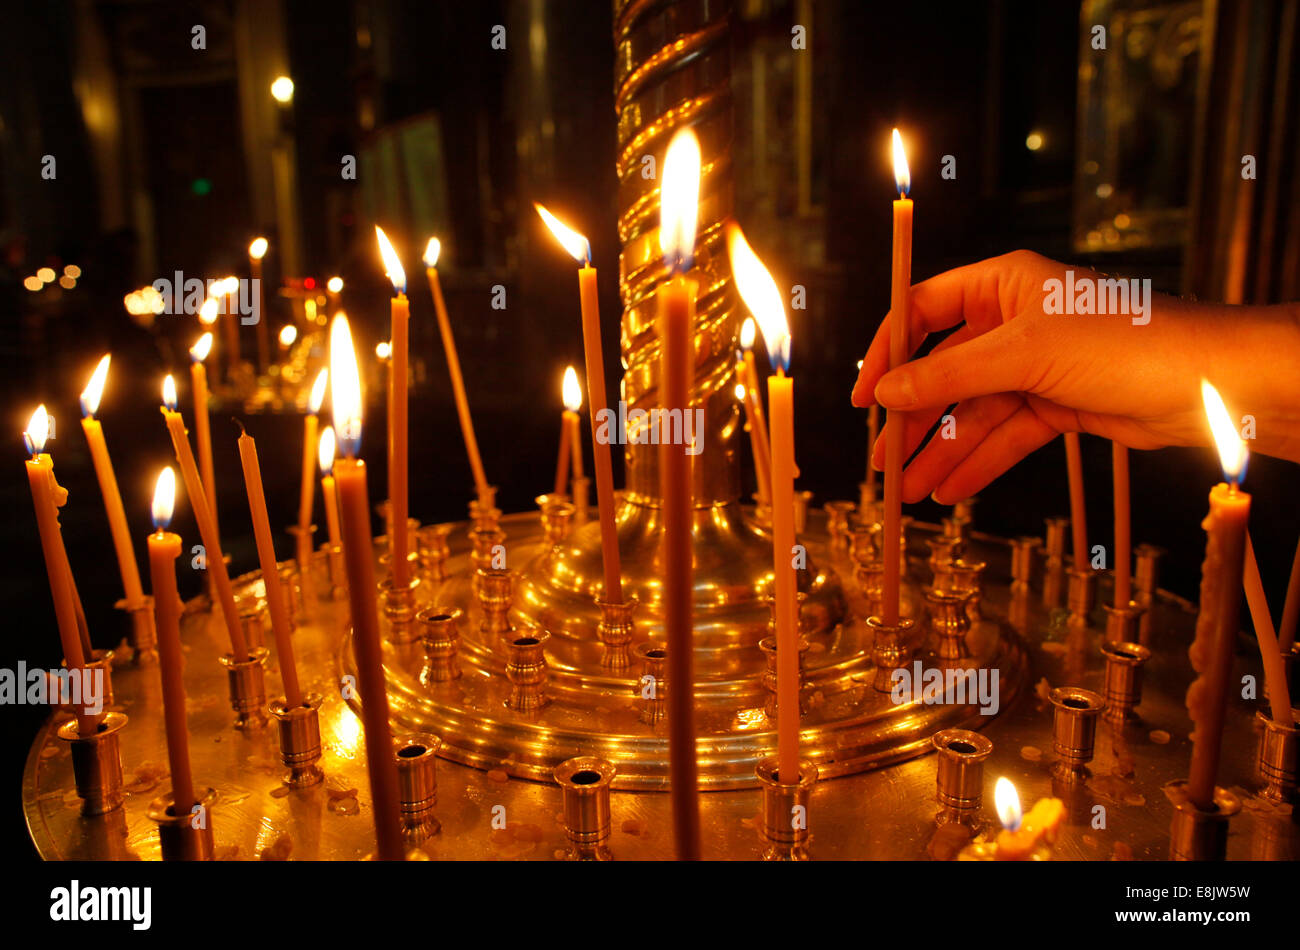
(581, 498)
(890, 650)
(584, 782)
(97, 763)
(252, 613)
(1123, 623)
(431, 543)
(495, 590)
(615, 632)
(1146, 574)
(1279, 758)
(483, 545)
(1289, 668)
(1057, 528)
(417, 782)
(485, 507)
(330, 563)
(527, 672)
(964, 510)
(1198, 835)
(399, 609)
(1074, 729)
(188, 836)
(950, 622)
(1082, 596)
(300, 747)
(1024, 551)
(143, 635)
(784, 821)
(802, 502)
(247, 682)
(768, 646)
(966, 579)
(1123, 684)
(955, 530)
(100, 664)
(960, 776)
(440, 631)
(304, 545)
(838, 514)
(866, 497)
(650, 688)
(291, 586)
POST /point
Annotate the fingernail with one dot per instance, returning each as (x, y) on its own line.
(896, 390)
(934, 497)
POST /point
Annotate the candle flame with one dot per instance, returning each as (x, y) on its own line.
(345, 391)
(740, 392)
(571, 390)
(383, 350)
(325, 450)
(288, 333)
(164, 498)
(679, 201)
(759, 292)
(169, 392)
(257, 250)
(1007, 802)
(902, 174)
(37, 431)
(90, 396)
(211, 307)
(576, 244)
(230, 286)
(318, 391)
(201, 348)
(1232, 449)
(392, 263)
(432, 250)
(334, 284)
(747, 331)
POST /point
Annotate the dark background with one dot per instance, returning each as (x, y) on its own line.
(970, 80)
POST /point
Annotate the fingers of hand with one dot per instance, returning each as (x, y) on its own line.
(958, 436)
(1002, 448)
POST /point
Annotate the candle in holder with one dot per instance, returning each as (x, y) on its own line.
(164, 549)
(202, 429)
(1220, 604)
(1123, 527)
(307, 490)
(209, 310)
(1279, 691)
(748, 374)
(1026, 837)
(762, 463)
(597, 408)
(900, 306)
(1290, 607)
(126, 564)
(431, 253)
(214, 560)
(570, 442)
(759, 292)
(329, 496)
(1078, 511)
(257, 251)
(400, 313)
(40, 476)
(358, 556)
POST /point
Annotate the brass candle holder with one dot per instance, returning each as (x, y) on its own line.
(950, 623)
(399, 609)
(838, 515)
(1082, 597)
(967, 579)
(615, 632)
(291, 584)
(557, 517)
(1123, 684)
(585, 782)
(298, 729)
(1279, 758)
(1074, 730)
(960, 776)
(97, 763)
(100, 665)
(581, 498)
(1056, 531)
(187, 836)
(484, 513)
(650, 686)
(527, 672)
(433, 548)
(890, 650)
(329, 560)
(768, 646)
(417, 783)
(1024, 552)
(1197, 834)
(304, 543)
(866, 496)
(802, 502)
(142, 637)
(784, 821)
(247, 682)
(1123, 623)
(440, 631)
(484, 545)
(495, 590)
(252, 620)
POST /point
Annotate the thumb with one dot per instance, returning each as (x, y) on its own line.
(994, 362)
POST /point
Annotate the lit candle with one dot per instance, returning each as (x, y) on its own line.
(431, 252)
(1026, 838)
(40, 476)
(900, 306)
(1078, 512)
(1279, 691)
(94, 431)
(761, 296)
(329, 496)
(276, 603)
(570, 446)
(762, 464)
(358, 555)
(754, 408)
(400, 310)
(597, 408)
(333, 287)
(288, 334)
(202, 429)
(208, 313)
(1123, 526)
(164, 549)
(307, 491)
(256, 251)
(679, 209)
(1220, 606)
(215, 561)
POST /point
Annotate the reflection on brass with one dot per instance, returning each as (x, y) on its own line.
(186, 837)
(651, 691)
(960, 776)
(584, 785)
(1123, 683)
(950, 623)
(615, 632)
(1196, 835)
(1082, 596)
(417, 783)
(784, 822)
(1074, 730)
(252, 617)
(299, 732)
(399, 607)
(526, 670)
(431, 542)
(97, 763)
(247, 685)
(1123, 623)
(494, 596)
(1279, 758)
(890, 649)
(440, 631)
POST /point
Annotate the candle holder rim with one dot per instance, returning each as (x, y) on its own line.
(767, 770)
(605, 770)
(944, 738)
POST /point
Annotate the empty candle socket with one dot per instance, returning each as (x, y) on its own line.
(485, 543)
(399, 609)
(1082, 596)
(1074, 729)
(557, 517)
(1024, 553)
(142, 636)
(247, 681)
(495, 590)
(964, 510)
(1279, 758)
(890, 650)
(584, 783)
(291, 587)
(1123, 624)
(650, 686)
(950, 623)
(186, 836)
(300, 747)
(417, 784)
(1123, 683)
(440, 632)
(783, 824)
(1196, 834)
(768, 646)
(966, 578)
(1057, 530)
(838, 514)
(955, 530)
(615, 631)
(1146, 573)
(433, 549)
(960, 776)
(527, 672)
(484, 513)
(97, 763)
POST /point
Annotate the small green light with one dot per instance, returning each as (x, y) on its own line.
(201, 186)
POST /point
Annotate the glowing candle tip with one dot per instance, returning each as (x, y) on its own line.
(164, 498)
(95, 388)
(392, 263)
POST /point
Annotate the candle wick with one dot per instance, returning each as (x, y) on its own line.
(242, 430)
